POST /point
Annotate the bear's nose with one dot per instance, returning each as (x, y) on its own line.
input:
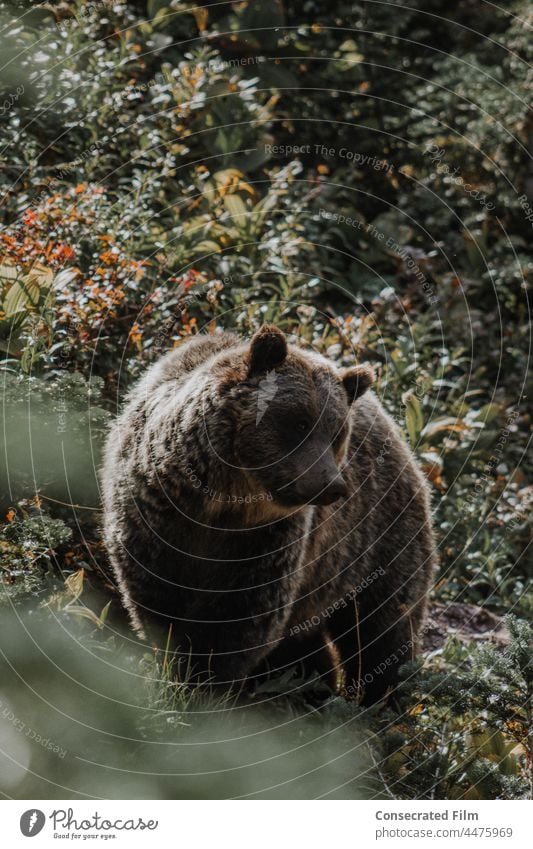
(332, 492)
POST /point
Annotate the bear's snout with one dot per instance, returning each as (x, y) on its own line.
(320, 489)
(320, 482)
(335, 490)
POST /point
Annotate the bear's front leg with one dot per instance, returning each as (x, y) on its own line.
(221, 660)
(312, 654)
(373, 643)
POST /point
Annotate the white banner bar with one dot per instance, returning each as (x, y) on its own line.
(267, 824)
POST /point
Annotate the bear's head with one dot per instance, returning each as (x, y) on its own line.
(291, 416)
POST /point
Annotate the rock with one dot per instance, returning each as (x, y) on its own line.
(465, 621)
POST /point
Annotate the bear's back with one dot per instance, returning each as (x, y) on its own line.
(180, 362)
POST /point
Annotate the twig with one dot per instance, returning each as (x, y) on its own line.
(68, 504)
(359, 651)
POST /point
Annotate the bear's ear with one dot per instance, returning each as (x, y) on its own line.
(357, 380)
(268, 349)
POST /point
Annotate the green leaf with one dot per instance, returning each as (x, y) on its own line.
(74, 584)
(22, 296)
(236, 208)
(207, 246)
(103, 614)
(8, 272)
(414, 420)
(448, 423)
(153, 7)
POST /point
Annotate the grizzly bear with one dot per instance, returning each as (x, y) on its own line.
(259, 504)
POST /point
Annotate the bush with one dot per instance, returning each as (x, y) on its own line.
(359, 177)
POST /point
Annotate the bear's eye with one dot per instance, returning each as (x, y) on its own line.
(303, 425)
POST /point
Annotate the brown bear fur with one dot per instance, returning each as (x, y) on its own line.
(261, 502)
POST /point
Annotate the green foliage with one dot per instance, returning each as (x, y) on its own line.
(55, 427)
(28, 549)
(356, 174)
(117, 710)
(469, 734)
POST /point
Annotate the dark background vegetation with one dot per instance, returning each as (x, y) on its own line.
(142, 202)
